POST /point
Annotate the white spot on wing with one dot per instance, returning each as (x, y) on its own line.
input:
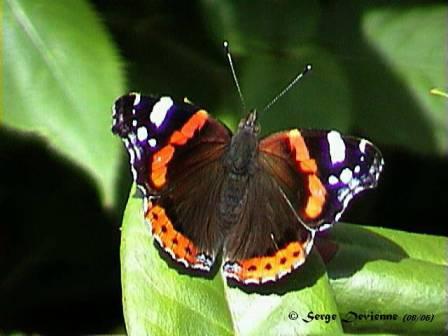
(268, 279)
(131, 155)
(346, 175)
(282, 274)
(354, 183)
(137, 99)
(362, 145)
(183, 261)
(152, 142)
(326, 226)
(251, 281)
(200, 266)
(142, 133)
(133, 143)
(333, 180)
(309, 244)
(160, 110)
(338, 216)
(343, 193)
(134, 123)
(357, 169)
(337, 147)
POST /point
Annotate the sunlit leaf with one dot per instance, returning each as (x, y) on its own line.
(411, 42)
(60, 82)
(369, 268)
(384, 271)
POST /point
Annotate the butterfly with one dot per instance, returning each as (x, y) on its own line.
(259, 201)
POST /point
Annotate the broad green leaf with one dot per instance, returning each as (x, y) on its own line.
(269, 311)
(375, 270)
(160, 299)
(411, 41)
(61, 77)
(383, 271)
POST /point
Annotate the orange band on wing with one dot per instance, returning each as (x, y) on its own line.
(316, 188)
(178, 138)
(179, 246)
(162, 157)
(308, 166)
(263, 269)
(297, 145)
(158, 177)
(158, 166)
(194, 123)
(316, 199)
(317, 192)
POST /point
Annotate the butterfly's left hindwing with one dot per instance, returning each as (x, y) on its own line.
(332, 169)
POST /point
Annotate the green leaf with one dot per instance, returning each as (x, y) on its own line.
(160, 299)
(60, 82)
(267, 312)
(410, 40)
(383, 271)
(374, 270)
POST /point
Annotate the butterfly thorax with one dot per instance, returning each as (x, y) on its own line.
(240, 163)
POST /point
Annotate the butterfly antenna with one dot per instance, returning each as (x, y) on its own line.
(290, 85)
(235, 79)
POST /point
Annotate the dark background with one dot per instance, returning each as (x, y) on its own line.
(59, 248)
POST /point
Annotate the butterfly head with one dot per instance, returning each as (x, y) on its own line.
(243, 147)
(250, 123)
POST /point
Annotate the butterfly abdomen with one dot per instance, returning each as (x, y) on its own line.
(232, 199)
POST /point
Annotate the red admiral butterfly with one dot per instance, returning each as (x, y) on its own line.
(260, 201)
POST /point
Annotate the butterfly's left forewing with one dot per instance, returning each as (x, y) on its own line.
(175, 150)
(332, 169)
(146, 125)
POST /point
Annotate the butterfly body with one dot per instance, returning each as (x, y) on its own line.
(240, 164)
(258, 200)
